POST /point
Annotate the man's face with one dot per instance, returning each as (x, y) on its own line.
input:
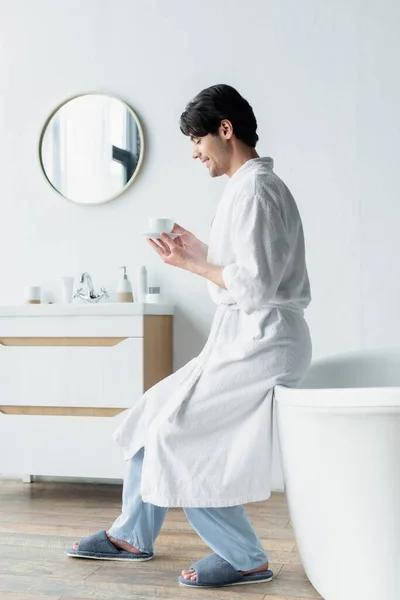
(214, 153)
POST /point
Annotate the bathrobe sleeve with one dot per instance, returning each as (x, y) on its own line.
(261, 248)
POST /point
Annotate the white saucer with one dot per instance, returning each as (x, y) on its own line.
(150, 234)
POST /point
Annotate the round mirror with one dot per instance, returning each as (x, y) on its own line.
(91, 148)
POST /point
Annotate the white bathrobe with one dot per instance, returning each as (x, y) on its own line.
(207, 428)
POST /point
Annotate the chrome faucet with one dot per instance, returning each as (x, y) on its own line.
(90, 296)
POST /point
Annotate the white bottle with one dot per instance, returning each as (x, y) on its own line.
(124, 289)
(67, 289)
(142, 284)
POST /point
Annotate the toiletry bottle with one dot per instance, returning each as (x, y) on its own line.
(142, 284)
(154, 296)
(67, 289)
(124, 289)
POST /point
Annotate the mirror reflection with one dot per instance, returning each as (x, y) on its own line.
(91, 148)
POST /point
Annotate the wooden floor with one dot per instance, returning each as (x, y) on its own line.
(39, 521)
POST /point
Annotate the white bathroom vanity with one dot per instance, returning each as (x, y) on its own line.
(67, 373)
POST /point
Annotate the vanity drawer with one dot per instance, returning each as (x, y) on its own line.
(62, 447)
(73, 326)
(73, 376)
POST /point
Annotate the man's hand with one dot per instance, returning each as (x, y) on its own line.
(172, 253)
(180, 255)
(189, 242)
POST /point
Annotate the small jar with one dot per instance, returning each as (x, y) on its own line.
(33, 294)
(153, 296)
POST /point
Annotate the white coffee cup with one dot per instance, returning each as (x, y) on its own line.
(160, 225)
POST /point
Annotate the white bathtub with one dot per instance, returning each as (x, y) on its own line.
(339, 436)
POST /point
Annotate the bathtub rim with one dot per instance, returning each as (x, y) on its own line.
(360, 397)
(345, 397)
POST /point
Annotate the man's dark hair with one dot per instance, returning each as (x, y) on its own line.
(203, 114)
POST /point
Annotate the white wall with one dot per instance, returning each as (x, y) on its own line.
(322, 79)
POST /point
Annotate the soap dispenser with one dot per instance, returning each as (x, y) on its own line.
(124, 289)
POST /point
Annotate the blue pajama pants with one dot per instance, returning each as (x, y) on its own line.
(227, 531)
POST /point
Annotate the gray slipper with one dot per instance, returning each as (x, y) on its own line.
(99, 547)
(214, 571)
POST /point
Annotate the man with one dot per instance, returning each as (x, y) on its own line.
(201, 438)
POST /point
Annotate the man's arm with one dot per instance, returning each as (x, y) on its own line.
(208, 271)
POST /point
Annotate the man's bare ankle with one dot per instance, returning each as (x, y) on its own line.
(123, 545)
(263, 567)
